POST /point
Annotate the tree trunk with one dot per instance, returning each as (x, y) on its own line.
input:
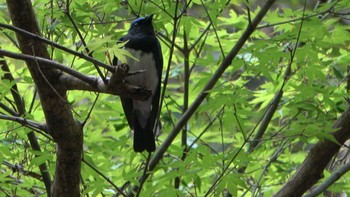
(59, 119)
(311, 169)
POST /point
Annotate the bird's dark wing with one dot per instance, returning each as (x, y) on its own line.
(126, 103)
(115, 61)
(157, 52)
(128, 110)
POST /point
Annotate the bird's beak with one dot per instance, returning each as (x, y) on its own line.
(149, 18)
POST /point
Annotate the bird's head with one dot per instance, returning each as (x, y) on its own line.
(142, 25)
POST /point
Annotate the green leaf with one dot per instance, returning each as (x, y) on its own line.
(121, 53)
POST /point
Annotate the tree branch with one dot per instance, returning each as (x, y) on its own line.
(52, 63)
(8, 109)
(104, 177)
(19, 168)
(328, 182)
(25, 122)
(46, 41)
(14, 89)
(311, 169)
(80, 81)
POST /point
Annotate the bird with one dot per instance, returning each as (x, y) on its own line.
(142, 44)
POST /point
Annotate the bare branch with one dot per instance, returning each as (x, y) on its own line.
(8, 109)
(20, 169)
(46, 41)
(80, 81)
(52, 63)
(328, 182)
(214, 28)
(25, 122)
(104, 177)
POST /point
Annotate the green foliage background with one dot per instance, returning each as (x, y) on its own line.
(223, 127)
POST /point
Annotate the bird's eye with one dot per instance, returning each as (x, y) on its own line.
(136, 24)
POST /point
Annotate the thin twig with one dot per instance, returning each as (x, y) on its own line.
(103, 176)
(83, 41)
(328, 11)
(226, 169)
(90, 110)
(273, 158)
(204, 32)
(144, 175)
(14, 89)
(163, 9)
(214, 28)
(211, 122)
(25, 122)
(49, 42)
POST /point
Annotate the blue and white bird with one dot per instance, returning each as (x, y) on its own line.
(143, 45)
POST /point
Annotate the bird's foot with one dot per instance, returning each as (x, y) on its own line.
(124, 68)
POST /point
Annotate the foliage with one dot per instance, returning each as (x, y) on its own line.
(221, 157)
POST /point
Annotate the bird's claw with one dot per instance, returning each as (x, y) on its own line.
(124, 68)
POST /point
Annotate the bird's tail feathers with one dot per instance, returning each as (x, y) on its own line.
(143, 138)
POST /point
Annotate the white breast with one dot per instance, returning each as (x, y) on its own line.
(145, 61)
(148, 79)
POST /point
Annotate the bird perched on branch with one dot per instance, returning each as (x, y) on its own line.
(142, 44)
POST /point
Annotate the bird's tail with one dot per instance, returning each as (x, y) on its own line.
(143, 138)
